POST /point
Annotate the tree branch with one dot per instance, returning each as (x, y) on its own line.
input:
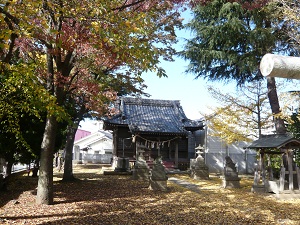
(124, 6)
(15, 20)
(10, 20)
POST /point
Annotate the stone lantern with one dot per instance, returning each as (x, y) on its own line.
(141, 169)
(199, 170)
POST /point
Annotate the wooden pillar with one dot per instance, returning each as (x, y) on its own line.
(158, 151)
(115, 142)
(281, 179)
(256, 177)
(176, 155)
(270, 170)
(257, 171)
(158, 146)
(298, 176)
(282, 176)
(263, 168)
(135, 147)
(289, 154)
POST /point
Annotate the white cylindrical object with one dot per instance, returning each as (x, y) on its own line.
(280, 66)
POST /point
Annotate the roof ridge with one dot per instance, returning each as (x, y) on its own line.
(146, 101)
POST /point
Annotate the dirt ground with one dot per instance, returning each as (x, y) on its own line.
(115, 199)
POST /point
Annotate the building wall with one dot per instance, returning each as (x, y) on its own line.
(96, 158)
(216, 150)
(101, 147)
(94, 148)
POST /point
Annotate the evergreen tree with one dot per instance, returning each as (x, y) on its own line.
(230, 39)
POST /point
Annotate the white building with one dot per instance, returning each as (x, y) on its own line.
(216, 150)
(94, 148)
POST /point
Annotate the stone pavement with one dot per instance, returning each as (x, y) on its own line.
(185, 184)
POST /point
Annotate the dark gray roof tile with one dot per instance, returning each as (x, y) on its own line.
(153, 116)
(274, 141)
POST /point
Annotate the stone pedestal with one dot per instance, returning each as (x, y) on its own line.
(76, 162)
(141, 169)
(258, 189)
(140, 174)
(231, 183)
(273, 186)
(122, 164)
(231, 179)
(198, 168)
(76, 158)
(158, 185)
(158, 176)
(200, 174)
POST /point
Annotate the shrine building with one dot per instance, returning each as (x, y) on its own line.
(160, 126)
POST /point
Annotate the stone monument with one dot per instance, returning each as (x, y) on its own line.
(122, 164)
(158, 176)
(199, 170)
(141, 169)
(231, 179)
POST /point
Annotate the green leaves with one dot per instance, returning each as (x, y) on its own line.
(230, 39)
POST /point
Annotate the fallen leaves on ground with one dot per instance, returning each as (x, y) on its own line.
(114, 199)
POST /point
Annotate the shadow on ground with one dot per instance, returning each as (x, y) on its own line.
(17, 184)
(114, 199)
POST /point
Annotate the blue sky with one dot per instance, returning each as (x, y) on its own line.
(192, 93)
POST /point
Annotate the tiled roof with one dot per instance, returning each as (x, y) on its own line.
(152, 116)
(274, 141)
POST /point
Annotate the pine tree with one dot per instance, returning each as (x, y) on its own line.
(231, 37)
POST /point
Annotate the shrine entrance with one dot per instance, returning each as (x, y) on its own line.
(286, 180)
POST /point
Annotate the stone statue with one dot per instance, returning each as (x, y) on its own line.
(158, 176)
(231, 179)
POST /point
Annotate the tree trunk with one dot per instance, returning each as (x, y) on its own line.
(274, 103)
(45, 181)
(5, 177)
(68, 167)
(8, 169)
(258, 107)
(3, 183)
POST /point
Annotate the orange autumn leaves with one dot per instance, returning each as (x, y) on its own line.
(111, 199)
